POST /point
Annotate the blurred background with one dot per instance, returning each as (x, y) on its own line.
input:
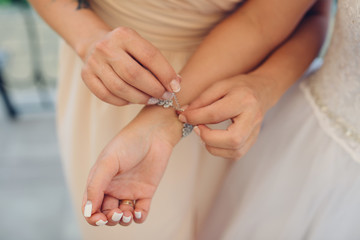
(34, 202)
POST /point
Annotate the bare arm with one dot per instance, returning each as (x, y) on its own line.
(289, 62)
(241, 42)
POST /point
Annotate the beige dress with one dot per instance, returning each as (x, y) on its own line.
(86, 124)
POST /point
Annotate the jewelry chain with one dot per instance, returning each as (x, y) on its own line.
(187, 128)
(170, 103)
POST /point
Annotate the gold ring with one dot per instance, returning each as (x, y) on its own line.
(128, 202)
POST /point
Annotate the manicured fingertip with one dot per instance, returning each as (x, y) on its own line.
(88, 209)
(126, 219)
(116, 217)
(179, 78)
(101, 222)
(197, 130)
(182, 118)
(167, 96)
(137, 215)
(175, 85)
(153, 101)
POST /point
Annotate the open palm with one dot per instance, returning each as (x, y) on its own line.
(130, 167)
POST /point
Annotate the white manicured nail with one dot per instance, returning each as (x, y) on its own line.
(137, 215)
(126, 219)
(153, 101)
(175, 86)
(88, 209)
(179, 78)
(167, 96)
(116, 216)
(196, 130)
(101, 223)
(182, 118)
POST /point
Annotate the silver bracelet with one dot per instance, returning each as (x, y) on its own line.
(187, 128)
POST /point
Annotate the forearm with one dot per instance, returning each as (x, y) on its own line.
(74, 21)
(289, 62)
(240, 43)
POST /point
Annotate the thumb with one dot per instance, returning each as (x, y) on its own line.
(99, 179)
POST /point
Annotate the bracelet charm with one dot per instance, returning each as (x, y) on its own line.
(187, 128)
(165, 103)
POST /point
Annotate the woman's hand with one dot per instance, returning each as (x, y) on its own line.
(131, 167)
(121, 67)
(243, 99)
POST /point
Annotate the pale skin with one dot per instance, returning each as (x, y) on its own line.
(235, 55)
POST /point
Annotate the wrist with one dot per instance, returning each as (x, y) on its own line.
(268, 89)
(164, 121)
(83, 46)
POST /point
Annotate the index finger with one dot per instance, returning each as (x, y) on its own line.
(216, 112)
(99, 178)
(233, 137)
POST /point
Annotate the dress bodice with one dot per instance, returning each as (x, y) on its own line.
(334, 90)
(168, 24)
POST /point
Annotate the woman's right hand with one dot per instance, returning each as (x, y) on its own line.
(122, 67)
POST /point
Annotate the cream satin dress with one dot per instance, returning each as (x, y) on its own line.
(86, 124)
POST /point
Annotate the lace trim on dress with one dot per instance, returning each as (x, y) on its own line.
(333, 125)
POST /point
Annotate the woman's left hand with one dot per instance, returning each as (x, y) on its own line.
(131, 167)
(241, 99)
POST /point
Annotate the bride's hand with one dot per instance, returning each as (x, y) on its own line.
(131, 167)
(244, 100)
(121, 67)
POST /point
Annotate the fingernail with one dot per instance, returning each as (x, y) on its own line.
(153, 101)
(175, 85)
(88, 209)
(167, 96)
(182, 118)
(179, 78)
(137, 215)
(116, 216)
(197, 130)
(101, 223)
(126, 219)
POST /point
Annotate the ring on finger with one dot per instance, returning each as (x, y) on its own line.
(128, 202)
